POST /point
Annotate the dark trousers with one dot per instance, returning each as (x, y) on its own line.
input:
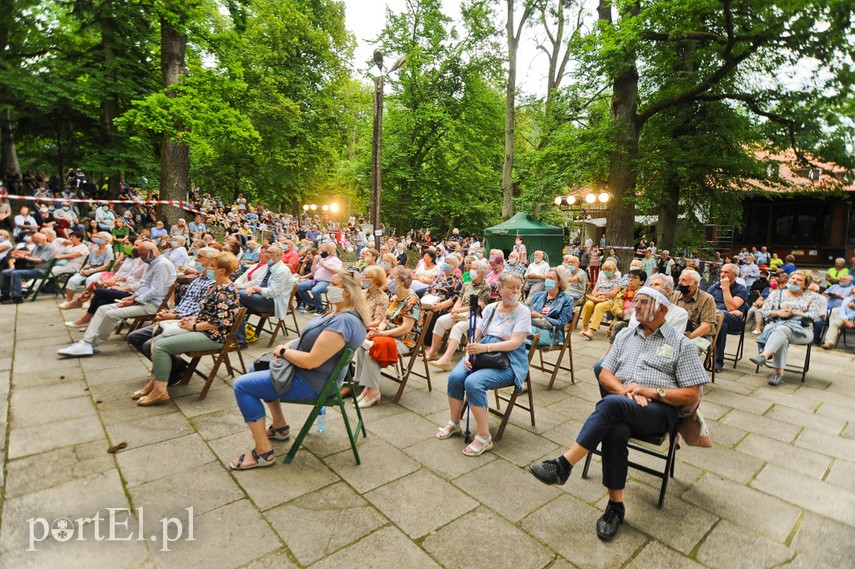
(615, 419)
(11, 279)
(141, 341)
(104, 296)
(731, 325)
(255, 304)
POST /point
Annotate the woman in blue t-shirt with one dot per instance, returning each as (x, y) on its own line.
(314, 355)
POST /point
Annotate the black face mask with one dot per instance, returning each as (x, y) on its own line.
(684, 289)
(135, 253)
(324, 255)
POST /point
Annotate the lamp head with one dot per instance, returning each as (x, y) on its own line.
(378, 59)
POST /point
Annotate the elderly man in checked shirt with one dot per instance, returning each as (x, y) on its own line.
(649, 374)
(190, 305)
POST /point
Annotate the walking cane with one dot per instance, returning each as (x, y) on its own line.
(473, 318)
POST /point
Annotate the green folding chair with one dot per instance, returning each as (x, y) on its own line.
(40, 282)
(331, 396)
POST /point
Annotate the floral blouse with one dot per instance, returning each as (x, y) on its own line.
(378, 302)
(809, 303)
(220, 306)
(447, 287)
(407, 308)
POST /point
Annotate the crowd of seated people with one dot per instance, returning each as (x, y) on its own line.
(124, 264)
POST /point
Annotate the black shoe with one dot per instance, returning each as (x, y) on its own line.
(719, 367)
(12, 300)
(549, 472)
(609, 522)
(176, 375)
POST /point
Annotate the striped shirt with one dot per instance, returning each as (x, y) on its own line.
(663, 359)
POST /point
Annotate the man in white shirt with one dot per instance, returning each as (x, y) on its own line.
(272, 294)
(535, 274)
(24, 222)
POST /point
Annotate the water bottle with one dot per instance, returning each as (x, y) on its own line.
(322, 420)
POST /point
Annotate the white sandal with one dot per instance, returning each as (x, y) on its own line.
(486, 444)
(448, 431)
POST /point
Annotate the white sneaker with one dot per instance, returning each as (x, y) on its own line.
(755, 332)
(78, 349)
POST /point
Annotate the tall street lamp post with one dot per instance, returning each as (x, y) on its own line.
(377, 140)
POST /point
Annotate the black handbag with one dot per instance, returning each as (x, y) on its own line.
(491, 360)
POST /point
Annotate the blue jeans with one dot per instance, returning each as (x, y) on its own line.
(255, 304)
(256, 386)
(311, 296)
(476, 383)
(615, 419)
(10, 280)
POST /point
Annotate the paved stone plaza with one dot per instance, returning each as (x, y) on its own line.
(778, 489)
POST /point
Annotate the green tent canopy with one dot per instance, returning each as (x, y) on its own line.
(535, 235)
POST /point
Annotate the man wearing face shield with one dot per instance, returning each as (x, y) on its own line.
(649, 374)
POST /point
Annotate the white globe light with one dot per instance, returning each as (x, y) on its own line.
(591, 198)
(334, 208)
(604, 197)
(306, 207)
(571, 200)
(313, 207)
(558, 200)
(325, 207)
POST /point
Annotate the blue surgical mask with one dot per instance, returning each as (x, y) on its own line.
(572, 268)
(549, 284)
(211, 275)
(445, 267)
(793, 287)
(200, 268)
(28, 239)
(97, 241)
(66, 208)
(609, 274)
(392, 286)
(479, 255)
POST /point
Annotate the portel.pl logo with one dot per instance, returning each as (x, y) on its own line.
(115, 528)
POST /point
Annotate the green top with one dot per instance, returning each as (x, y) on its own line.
(118, 234)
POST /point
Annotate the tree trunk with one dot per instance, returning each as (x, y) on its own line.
(620, 226)
(669, 212)
(109, 102)
(9, 154)
(175, 157)
(510, 102)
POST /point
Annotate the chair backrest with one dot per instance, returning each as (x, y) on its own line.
(535, 340)
(719, 319)
(164, 304)
(427, 316)
(328, 389)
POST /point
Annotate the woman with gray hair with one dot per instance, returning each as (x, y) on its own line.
(791, 312)
(98, 262)
(403, 321)
(457, 320)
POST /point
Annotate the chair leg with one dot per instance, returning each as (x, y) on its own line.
(511, 402)
(669, 468)
(351, 435)
(530, 400)
(218, 361)
(557, 367)
(303, 432)
(274, 333)
(588, 458)
(191, 369)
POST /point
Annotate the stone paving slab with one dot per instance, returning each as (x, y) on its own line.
(777, 489)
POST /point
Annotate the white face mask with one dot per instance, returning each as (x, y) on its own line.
(335, 294)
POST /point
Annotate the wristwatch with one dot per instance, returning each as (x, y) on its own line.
(660, 393)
